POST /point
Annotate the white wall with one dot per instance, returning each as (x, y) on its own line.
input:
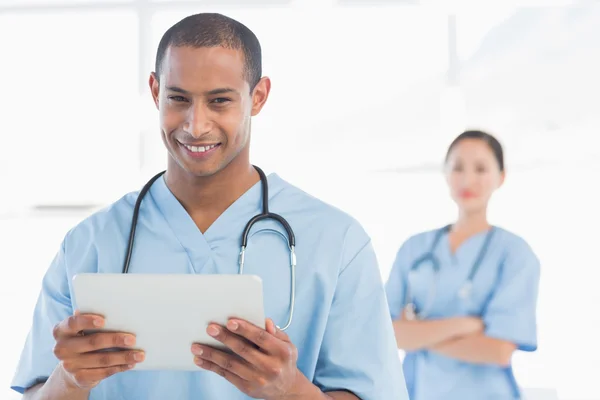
(360, 89)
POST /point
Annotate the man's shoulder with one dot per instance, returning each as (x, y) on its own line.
(295, 203)
(105, 220)
(290, 197)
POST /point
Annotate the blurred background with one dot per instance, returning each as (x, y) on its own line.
(366, 97)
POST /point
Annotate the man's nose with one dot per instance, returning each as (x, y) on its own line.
(198, 121)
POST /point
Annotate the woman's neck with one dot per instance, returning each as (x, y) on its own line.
(467, 225)
(471, 223)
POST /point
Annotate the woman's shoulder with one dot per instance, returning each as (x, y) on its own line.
(516, 247)
(512, 240)
(420, 240)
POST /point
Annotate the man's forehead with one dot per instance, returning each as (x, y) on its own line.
(187, 57)
(194, 65)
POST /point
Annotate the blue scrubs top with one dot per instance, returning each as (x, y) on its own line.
(504, 295)
(341, 326)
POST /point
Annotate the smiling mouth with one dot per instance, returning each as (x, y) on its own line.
(201, 149)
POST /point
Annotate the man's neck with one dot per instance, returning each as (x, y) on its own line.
(206, 198)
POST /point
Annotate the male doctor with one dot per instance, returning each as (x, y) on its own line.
(207, 86)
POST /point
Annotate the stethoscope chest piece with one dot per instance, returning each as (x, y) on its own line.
(410, 312)
(465, 291)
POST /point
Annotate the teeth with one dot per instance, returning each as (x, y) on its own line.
(200, 149)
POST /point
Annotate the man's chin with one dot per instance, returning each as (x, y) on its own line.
(203, 172)
(191, 169)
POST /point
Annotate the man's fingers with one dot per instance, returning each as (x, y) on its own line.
(275, 331)
(102, 360)
(234, 379)
(80, 354)
(77, 323)
(228, 362)
(101, 341)
(91, 376)
(240, 346)
(260, 337)
(270, 326)
(94, 342)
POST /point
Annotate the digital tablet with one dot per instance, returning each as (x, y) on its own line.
(169, 312)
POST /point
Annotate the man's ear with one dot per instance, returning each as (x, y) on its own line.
(154, 87)
(260, 94)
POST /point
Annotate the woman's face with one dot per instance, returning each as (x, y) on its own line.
(473, 174)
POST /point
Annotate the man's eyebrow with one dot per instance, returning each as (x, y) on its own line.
(177, 89)
(224, 90)
(213, 92)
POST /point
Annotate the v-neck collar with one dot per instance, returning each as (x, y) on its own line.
(473, 246)
(475, 238)
(194, 242)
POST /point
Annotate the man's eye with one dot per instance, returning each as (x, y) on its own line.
(177, 98)
(220, 100)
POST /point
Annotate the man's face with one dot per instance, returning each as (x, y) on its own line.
(205, 106)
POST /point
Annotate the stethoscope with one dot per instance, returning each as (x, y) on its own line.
(464, 292)
(266, 214)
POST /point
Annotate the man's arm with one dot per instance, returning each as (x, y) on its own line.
(264, 363)
(56, 387)
(358, 351)
(38, 362)
(81, 362)
(477, 349)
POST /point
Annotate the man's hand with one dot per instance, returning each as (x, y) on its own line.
(81, 363)
(264, 363)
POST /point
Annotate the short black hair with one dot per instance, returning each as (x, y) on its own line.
(490, 140)
(214, 30)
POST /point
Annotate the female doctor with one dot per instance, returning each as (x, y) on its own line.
(463, 297)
